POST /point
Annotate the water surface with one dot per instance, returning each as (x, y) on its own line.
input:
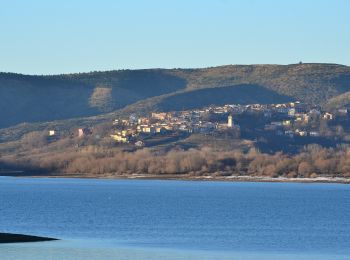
(138, 219)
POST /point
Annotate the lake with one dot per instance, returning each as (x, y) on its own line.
(151, 219)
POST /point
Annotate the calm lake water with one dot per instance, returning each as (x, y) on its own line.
(137, 219)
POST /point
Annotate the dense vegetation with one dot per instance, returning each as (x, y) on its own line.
(312, 161)
(195, 156)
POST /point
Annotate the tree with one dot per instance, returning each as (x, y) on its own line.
(34, 139)
(304, 169)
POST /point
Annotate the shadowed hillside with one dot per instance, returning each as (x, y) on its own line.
(46, 98)
(312, 83)
(26, 98)
(240, 94)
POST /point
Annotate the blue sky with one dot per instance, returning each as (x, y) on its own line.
(62, 36)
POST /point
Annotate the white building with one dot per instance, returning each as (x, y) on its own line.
(229, 121)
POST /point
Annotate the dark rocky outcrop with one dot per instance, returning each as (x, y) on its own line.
(18, 238)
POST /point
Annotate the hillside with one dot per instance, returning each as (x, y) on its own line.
(47, 98)
(340, 101)
(32, 106)
(26, 98)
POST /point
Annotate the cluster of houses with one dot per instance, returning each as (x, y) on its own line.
(290, 119)
(80, 132)
(295, 119)
(134, 129)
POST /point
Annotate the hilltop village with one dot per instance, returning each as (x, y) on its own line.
(287, 123)
(172, 124)
(290, 140)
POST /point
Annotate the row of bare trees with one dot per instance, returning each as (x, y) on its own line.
(312, 161)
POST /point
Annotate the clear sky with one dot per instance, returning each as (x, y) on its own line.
(62, 36)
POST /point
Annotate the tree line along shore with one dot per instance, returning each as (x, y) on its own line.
(312, 162)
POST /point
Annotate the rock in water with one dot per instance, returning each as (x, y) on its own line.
(19, 238)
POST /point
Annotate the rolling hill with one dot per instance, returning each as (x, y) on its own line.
(46, 98)
(25, 98)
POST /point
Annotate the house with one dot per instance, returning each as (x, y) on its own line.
(144, 128)
(160, 130)
(83, 132)
(300, 132)
(52, 132)
(119, 138)
(133, 119)
(343, 111)
(327, 116)
(80, 132)
(287, 122)
(302, 118)
(139, 144)
(291, 112)
(184, 128)
(139, 128)
(314, 134)
(159, 116)
(143, 121)
(306, 118)
(276, 123)
(125, 122)
(149, 129)
(219, 110)
(168, 127)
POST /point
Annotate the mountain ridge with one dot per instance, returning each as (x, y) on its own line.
(44, 98)
(164, 69)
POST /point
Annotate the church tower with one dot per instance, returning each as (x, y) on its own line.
(230, 121)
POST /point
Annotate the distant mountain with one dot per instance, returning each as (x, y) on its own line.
(25, 98)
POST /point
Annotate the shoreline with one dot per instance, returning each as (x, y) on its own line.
(6, 238)
(184, 177)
